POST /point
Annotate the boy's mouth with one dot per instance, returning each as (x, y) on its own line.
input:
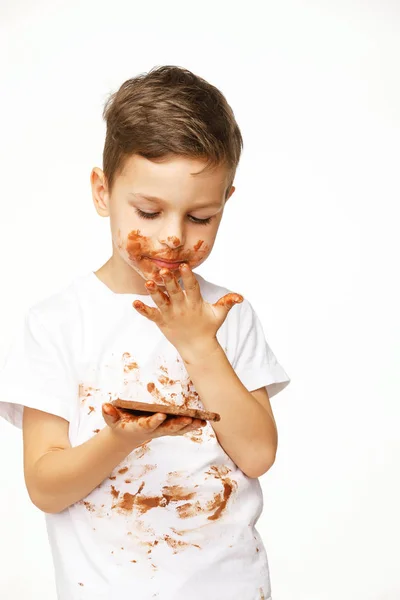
(166, 264)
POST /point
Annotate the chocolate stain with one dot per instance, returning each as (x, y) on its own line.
(123, 470)
(89, 506)
(146, 469)
(151, 388)
(143, 504)
(164, 380)
(197, 246)
(175, 241)
(114, 492)
(129, 364)
(178, 545)
(91, 409)
(195, 437)
(96, 430)
(126, 503)
(185, 511)
(190, 396)
(140, 250)
(221, 500)
(141, 450)
(229, 300)
(86, 391)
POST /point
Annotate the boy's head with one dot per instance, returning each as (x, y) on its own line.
(170, 156)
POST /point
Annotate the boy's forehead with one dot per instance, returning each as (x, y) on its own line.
(149, 179)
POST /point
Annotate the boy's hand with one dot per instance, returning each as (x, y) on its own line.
(183, 316)
(135, 430)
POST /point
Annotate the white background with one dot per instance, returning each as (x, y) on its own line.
(310, 238)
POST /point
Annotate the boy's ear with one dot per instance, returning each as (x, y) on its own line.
(99, 192)
(230, 193)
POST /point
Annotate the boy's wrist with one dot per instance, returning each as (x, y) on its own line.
(121, 443)
(195, 352)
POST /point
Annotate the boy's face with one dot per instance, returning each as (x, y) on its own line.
(161, 212)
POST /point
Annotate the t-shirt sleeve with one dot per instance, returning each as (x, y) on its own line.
(254, 362)
(36, 373)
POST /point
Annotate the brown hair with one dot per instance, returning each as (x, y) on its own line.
(169, 110)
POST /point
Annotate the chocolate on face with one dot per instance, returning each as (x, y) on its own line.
(140, 250)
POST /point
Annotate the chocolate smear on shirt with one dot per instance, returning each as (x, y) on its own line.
(187, 510)
(141, 450)
(178, 545)
(86, 391)
(126, 502)
(221, 499)
(114, 492)
(195, 436)
(129, 364)
(143, 504)
(151, 388)
(218, 505)
(89, 506)
(164, 380)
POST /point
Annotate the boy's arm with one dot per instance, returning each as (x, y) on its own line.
(58, 475)
(247, 429)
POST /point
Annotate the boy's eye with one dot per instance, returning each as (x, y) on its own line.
(145, 215)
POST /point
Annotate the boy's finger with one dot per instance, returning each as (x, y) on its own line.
(191, 285)
(161, 300)
(175, 292)
(155, 421)
(192, 427)
(151, 313)
(110, 414)
(228, 301)
(175, 424)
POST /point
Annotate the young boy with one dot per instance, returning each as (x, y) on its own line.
(152, 506)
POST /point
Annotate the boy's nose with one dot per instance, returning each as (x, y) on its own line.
(174, 239)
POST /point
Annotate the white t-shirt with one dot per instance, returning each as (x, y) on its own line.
(176, 519)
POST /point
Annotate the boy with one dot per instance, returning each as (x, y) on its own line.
(151, 507)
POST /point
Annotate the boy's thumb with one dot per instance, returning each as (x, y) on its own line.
(110, 414)
(229, 300)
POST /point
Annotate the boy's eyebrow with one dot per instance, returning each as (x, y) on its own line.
(155, 199)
